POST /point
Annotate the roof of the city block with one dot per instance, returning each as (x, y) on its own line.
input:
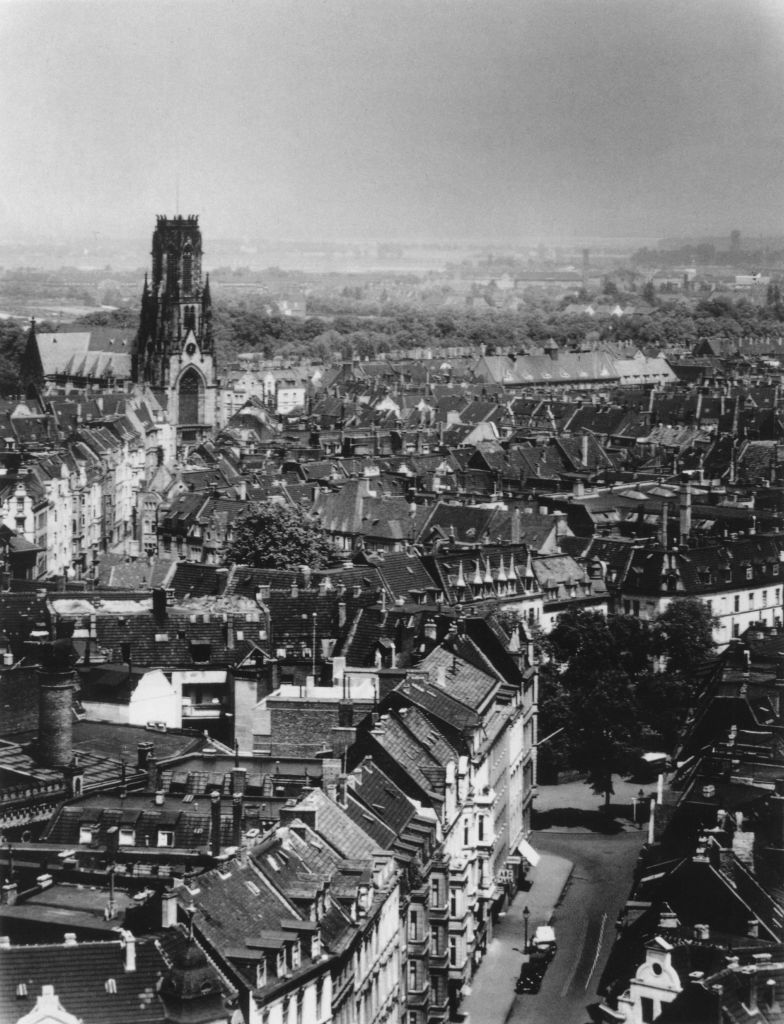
(89, 979)
(99, 352)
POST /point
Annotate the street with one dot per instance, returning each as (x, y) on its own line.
(584, 923)
(592, 853)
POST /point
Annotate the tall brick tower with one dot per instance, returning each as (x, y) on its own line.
(174, 351)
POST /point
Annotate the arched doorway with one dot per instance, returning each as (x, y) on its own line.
(191, 391)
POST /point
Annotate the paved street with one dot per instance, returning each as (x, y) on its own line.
(596, 852)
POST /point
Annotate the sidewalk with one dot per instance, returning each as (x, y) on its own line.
(492, 987)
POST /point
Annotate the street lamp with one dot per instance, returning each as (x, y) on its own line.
(526, 914)
(637, 802)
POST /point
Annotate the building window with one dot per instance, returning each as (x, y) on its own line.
(737, 602)
(453, 902)
(735, 629)
(751, 600)
(412, 974)
(187, 272)
(466, 833)
(165, 838)
(453, 951)
(413, 925)
(481, 828)
(434, 894)
(646, 1010)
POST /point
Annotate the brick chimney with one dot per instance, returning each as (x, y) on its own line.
(215, 822)
(169, 909)
(159, 605)
(55, 719)
(236, 820)
(128, 940)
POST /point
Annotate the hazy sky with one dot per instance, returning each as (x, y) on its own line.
(448, 119)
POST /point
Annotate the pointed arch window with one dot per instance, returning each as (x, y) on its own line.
(187, 271)
(191, 391)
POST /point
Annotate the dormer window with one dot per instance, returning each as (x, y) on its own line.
(295, 955)
(749, 572)
(85, 834)
(261, 973)
(200, 652)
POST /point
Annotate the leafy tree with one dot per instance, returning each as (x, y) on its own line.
(274, 536)
(605, 729)
(683, 635)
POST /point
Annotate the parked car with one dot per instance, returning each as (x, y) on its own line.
(544, 942)
(533, 971)
(530, 980)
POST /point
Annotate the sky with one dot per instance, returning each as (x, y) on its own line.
(421, 120)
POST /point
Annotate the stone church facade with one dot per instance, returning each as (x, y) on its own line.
(174, 352)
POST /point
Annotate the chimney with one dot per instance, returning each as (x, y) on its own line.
(55, 719)
(229, 632)
(215, 820)
(664, 525)
(515, 528)
(144, 751)
(338, 671)
(702, 932)
(238, 781)
(152, 773)
(129, 941)
(685, 509)
(159, 604)
(753, 928)
(8, 894)
(341, 614)
(221, 579)
(342, 790)
(585, 448)
(236, 819)
(169, 909)
(69, 939)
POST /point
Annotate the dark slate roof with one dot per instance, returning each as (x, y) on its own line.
(80, 976)
(19, 613)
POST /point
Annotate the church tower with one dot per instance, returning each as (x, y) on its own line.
(174, 351)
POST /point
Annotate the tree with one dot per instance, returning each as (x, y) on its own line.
(605, 729)
(683, 635)
(274, 536)
(591, 694)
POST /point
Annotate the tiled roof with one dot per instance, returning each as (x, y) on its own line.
(88, 978)
(99, 352)
(462, 680)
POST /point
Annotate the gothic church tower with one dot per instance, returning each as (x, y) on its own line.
(174, 351)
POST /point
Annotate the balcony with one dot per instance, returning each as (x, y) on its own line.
(419, 945)
(440, 912)
(439, 960)
(418, 998)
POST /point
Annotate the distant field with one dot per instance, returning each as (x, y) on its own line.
(43, 311)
